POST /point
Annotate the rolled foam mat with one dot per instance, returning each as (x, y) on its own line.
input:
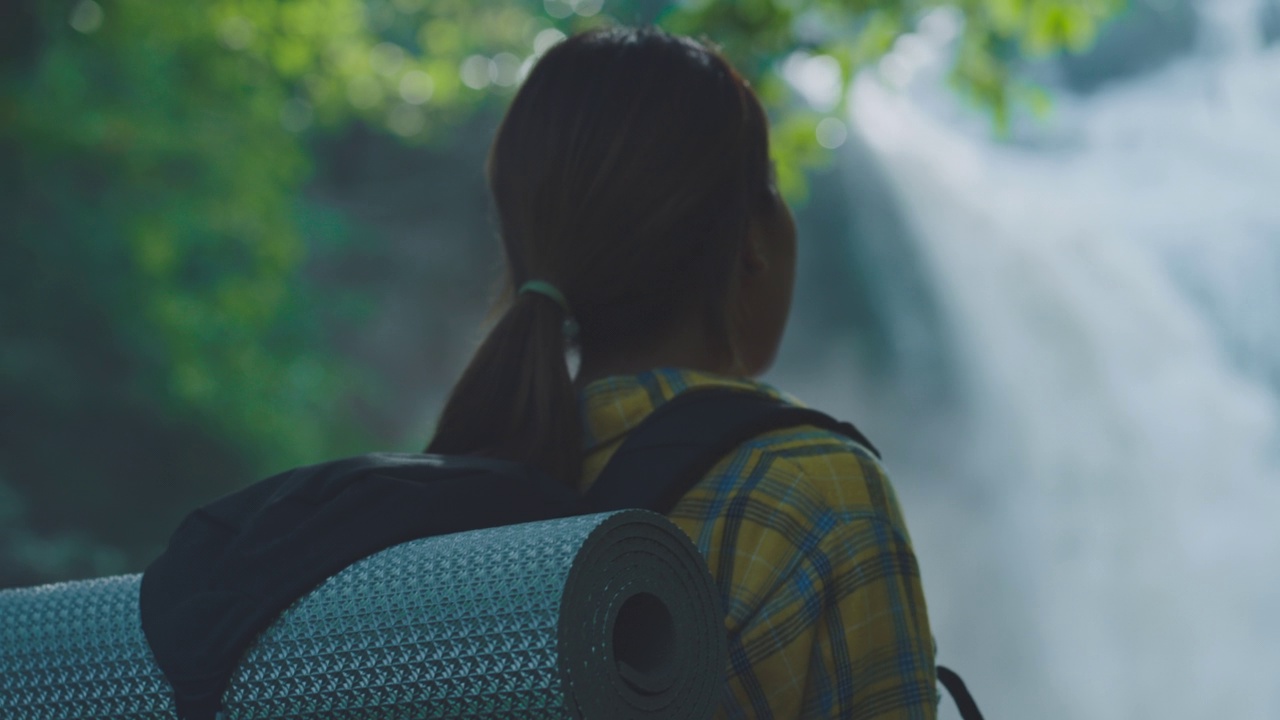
(604, 616)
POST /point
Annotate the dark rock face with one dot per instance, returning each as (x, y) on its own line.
(1148, 35)
(1144, 38)
(1271, 23)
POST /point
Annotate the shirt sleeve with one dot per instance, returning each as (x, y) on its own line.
(845, 632)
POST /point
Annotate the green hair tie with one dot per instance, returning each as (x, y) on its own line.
(546, 289)
(542, 287)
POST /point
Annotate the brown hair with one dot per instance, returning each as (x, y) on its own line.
(624, 174)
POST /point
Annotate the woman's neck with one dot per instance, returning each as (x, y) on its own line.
(688, 346)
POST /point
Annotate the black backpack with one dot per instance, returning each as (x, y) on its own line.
(235, 564)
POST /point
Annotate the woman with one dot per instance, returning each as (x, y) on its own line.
(642, 228)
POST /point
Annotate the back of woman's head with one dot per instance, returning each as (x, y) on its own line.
(624, 174)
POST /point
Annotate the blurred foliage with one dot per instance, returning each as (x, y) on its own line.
(761, 35)
(159, 342)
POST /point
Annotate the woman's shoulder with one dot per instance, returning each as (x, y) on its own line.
(847, 475)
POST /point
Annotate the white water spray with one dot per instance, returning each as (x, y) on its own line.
(1108, 545)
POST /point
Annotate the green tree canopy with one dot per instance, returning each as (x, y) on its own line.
(156, 335)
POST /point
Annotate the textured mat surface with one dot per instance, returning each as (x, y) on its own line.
(602, 616)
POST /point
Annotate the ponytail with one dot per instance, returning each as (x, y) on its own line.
(515, 400)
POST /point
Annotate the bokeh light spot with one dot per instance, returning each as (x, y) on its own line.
(815, 77)
(416, 87)
(507, 69)
(942, 25)
(477, 72)
(559, 9)
(236, 33)
(86, 16)
(831, 133)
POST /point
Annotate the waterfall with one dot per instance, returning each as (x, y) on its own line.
(1097, 514)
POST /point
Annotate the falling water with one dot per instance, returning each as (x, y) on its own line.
(1097, 509)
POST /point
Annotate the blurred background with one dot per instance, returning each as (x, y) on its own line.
(1040, 266)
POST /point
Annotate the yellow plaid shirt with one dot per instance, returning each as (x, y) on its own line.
(807, 544)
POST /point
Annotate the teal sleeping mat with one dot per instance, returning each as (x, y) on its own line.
(596, 617)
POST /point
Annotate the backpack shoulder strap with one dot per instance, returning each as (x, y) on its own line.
(684, 438)
(959, 693)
